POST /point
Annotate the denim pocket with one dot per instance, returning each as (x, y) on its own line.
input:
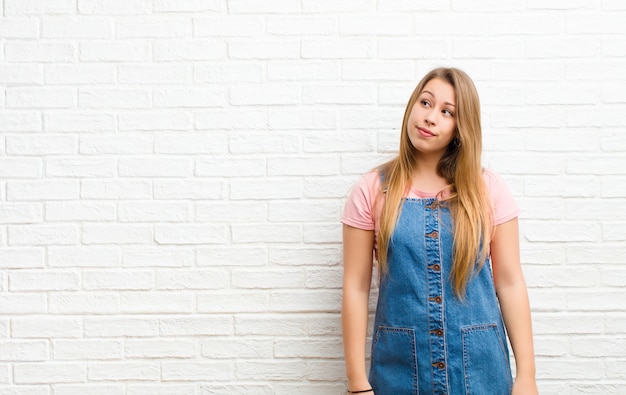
(394, 361)
(485, 361)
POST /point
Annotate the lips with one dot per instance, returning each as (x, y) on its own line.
(425, 132)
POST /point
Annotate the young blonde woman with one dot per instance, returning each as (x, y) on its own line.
(444, 232)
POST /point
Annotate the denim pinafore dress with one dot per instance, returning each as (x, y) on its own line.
(426, 340)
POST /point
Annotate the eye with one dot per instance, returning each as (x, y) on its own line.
(425, 103)
(447, 112)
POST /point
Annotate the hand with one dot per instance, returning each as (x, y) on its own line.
(524, 386)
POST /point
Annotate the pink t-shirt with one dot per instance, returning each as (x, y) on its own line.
(358, 211)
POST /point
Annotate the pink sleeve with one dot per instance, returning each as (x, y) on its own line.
(504, 206)
(358, 211)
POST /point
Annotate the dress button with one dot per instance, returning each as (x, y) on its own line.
(436, 267)
(437, 299)
(439, 332)
(439, 365)
(433, 235)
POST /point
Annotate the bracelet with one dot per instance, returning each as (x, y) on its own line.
(360, 392)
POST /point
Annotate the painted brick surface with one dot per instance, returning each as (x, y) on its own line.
(172, 174)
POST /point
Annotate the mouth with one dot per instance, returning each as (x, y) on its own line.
(425, 132)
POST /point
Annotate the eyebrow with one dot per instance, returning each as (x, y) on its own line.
(430, 93)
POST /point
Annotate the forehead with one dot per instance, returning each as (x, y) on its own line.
(440, 89)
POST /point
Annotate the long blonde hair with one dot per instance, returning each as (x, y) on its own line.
(461, 168)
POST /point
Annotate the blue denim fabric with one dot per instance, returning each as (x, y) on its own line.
(426, 340)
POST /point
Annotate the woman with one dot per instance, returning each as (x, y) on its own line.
(438, 224)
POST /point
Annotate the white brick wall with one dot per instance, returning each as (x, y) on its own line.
(172, 174)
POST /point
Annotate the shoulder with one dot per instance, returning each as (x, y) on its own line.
(503, 203)
(359, 208)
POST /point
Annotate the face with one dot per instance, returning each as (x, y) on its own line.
(432, 123)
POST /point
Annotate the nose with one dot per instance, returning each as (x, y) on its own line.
(430, 116)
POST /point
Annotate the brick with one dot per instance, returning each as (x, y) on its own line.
(88, 389)
(155, 120)
(264, 94)
(297, 71)
(78, 122)
(157, 257)
(228, 256)
(231, 72)
(263, 6)
(196, 143)
(121, 327)
(320, 211)
(191, 279)
(225, 348)
(264, 143)
(327, 187)
(117, 234)
(314, 233)
(337, 48)
(77, 350)
(267, 279)
(182, 234)
(37, 145)
(113, 98)
(561, 186)
(230, 302)
(230, 119)
(71, 74)
(20, 213)
(272, 369)
(39, 52)
(42, 235)
(310, 300)
(161, 389)
(80, 167)
(23, 351)
(45, 327)
(289, 26)
(290, 119)
(117, 280)
(135, 302)
(488, 48)
(193, 189)
(196, 371)
(324, 278)
(76, 27)
(325, 256)
(40, 98)
(49, 372)
(115, 189)
(230, 212)
(92, 256)
(560, 4)
(230, 166)
(264, 49)
(20, 168)
(402, 48)
(43, 281)
(380, 25)
(183, 50)
(270, 188)
(157, 73)
(189, 97)
(159, 349)
(152, 27)
(22, 258)
(231, 26)
(153, 212)
(113, 7)
(338, 94)
(195, 325)
(187, 6)
(310, 324)
(109, 51)
(17, 7)
(123, 371)
(595, 23)
(111, 144)
(19, 27)
(157, 167)
(20, 121)
(329, 6)
(74, 303)
(339, 141)
(20, 73)
(257, 233)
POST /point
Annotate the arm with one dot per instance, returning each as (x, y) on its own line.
(358, 246)
(513, 297)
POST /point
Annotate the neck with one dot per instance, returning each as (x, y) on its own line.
(425, 176)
